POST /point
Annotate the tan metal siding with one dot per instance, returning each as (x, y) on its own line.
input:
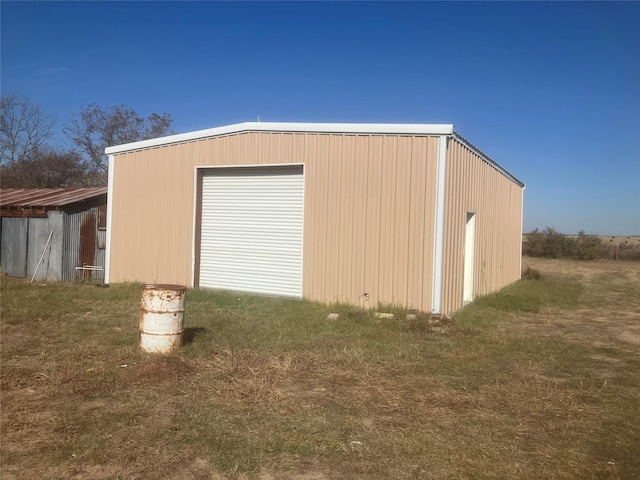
(373, 202)
(401, 221)
(345, 212)
(476, 186)
(314, 218)
(423, 209)
(332, 225)
(369, 203)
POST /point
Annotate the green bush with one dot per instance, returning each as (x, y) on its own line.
(586, 247)
(550, 243)
(531, 274)
(547, 243)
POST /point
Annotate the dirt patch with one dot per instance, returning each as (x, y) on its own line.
(609, 314)
(630, 336)
(159, 369)
(100, 472)
(295, 467)
(604, 358)
(539, 376)
(588, 269)
(293, 476)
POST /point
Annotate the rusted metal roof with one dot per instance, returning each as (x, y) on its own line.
(47, 197)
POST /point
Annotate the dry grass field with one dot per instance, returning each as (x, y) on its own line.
(541, 380)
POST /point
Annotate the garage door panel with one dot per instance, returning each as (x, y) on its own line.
(249, 241)
(263, 263)
(251, 230)
(260, 226)
(251, 256)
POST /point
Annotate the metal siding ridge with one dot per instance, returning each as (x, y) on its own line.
(487, 158)
(344, 128)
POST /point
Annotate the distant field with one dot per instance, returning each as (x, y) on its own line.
(611, 247)
(630, 240)
(537, 381)
(615, 239)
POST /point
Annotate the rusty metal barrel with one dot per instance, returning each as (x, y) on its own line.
(162, 317)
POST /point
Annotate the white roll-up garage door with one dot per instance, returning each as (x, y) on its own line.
(251, 229)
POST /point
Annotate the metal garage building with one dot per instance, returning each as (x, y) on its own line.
(412, 215)
(54, 233)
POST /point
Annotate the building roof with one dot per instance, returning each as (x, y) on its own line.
(47, 197)
(347, 128)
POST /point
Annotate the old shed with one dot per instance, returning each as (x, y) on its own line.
(60, 232)
(405, 214)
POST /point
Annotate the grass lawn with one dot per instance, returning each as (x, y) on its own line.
(541, 380)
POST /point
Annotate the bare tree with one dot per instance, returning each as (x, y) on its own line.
(95, 128)
(24, 129)
(46, 169)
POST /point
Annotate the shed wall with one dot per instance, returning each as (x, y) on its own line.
(40, 256)
(82, 244)
(25, 248)
(14, 246)
(474, 185)
(368, 214)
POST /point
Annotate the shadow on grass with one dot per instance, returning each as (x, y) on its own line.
(190, 333)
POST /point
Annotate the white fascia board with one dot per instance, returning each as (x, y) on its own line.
(346, 128)
(487, 159)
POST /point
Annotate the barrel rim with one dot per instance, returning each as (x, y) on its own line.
(163, 286)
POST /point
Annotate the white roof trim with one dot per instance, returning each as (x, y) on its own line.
(488, 159)
(348, 128)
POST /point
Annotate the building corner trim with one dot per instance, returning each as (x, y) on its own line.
(107, 255)
(438, 236)
(521, 226)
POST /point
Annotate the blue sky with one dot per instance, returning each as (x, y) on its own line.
(549, 90)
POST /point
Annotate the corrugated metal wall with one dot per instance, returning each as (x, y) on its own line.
(71, 246)
(369, 203)
(27, 249)
(40, 229)
(81, 244)
(75, 239)
(473, 185)
(14, 246)
(38, 234)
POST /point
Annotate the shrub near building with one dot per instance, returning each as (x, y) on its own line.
(552, 244)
